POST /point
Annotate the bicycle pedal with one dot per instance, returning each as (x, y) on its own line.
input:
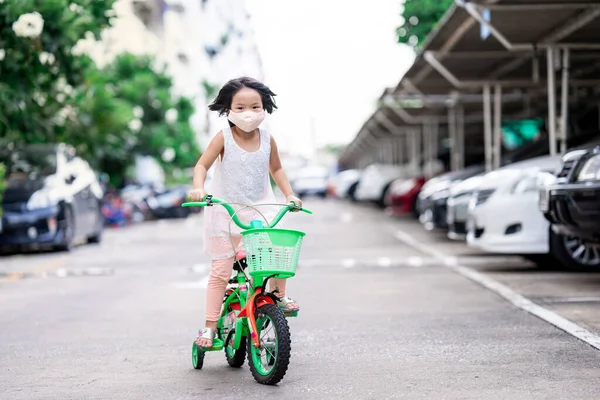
(290, 314)
(218, 345)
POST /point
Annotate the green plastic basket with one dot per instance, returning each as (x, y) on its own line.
(272, 251)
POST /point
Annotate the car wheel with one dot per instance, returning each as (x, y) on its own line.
(352, 191)
(68, 231)
(546, 261)
(572, 252)
(381, 201)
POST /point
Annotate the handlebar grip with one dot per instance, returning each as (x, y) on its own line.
(195, 204)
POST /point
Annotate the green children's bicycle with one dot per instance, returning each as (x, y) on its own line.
(251, 322)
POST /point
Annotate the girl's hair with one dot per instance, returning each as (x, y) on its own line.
(223, 101)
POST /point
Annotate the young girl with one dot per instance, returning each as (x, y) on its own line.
(245, 155)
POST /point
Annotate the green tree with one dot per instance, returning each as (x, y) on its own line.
(420, 18)
(131, 111)
(40, 64)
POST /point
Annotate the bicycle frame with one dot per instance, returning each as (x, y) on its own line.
(244, 300)
(254, 295)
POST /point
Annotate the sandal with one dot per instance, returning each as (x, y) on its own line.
(284, 302)
(207, 334)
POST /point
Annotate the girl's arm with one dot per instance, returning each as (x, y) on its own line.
(207, 159)
(279, 175)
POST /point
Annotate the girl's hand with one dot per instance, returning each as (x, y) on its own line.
(197, 194)
(295, 200)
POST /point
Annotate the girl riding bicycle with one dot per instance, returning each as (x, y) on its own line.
(245, 155)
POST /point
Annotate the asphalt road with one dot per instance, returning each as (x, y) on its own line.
(383, 316)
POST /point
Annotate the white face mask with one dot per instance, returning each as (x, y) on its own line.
(247, 121)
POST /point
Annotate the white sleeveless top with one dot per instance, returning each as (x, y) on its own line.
(239, 177)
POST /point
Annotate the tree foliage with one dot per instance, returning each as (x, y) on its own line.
(420, 18)
(129, 108)
(51, 91)
(38, 65)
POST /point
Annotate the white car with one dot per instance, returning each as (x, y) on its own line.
(376, 178)
(340, 184)
(458, 206)
(503, 214)
(311, 181)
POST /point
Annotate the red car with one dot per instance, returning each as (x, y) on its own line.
(401, 197)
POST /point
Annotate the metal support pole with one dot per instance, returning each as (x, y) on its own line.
(551, 101)
(400, 140)
(416, 149)
(564, 101)
(434, 145)
(497, 127)
(389, 148)
(487, 127)
(426, 145)
(453, 134)
(460, 130)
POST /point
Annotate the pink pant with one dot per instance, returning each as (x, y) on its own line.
(219, 277)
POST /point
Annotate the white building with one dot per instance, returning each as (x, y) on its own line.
(203, 43)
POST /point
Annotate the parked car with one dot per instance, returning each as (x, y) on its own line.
(571, 203)
(53, 198)
(311, 180)
(339, 185)
(432, 200)
(167, 204)
(376, 180)
(401, 197)
(458, 206)
(503, 214)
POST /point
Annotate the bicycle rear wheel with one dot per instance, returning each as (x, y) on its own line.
(270, 361)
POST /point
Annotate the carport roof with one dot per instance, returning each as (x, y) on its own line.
(455, 58)
(524, 26)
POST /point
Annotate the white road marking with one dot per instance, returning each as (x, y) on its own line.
(415, 261)
(346, 217)
(348, 263)
(504, 291)
(384, 262)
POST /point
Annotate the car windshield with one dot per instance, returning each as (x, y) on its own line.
(30, 164)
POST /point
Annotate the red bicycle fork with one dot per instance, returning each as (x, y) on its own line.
(257, 300)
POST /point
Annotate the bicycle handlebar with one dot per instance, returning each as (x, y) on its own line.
(234, 216)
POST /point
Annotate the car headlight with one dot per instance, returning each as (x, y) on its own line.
(481, 196)
(43, 198)
(441, 194)
(527, 184)
(590, 170)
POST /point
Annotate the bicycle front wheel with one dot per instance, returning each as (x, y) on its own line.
(270, 361)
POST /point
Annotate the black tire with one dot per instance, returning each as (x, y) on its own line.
(352, 192)
(414, 208)
(546, 261)
(235, 358)
(197, 356)
(381, 201)
(559, 248)
(69, 231)
(182, 212)
(279, 367)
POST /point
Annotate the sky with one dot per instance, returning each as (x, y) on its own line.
(328, 61)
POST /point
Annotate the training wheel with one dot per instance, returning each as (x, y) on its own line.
(197, 356)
